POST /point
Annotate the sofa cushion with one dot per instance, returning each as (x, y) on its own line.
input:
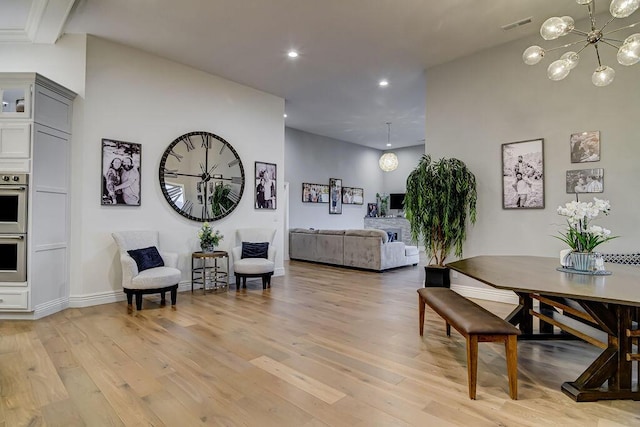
(369, 232)
(303, 230)
(146, 258)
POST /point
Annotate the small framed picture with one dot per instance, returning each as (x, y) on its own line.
(372, 210)
(315, 193)
(585, 181)
(352, 196)
(335, 196)
(121, 163)
(265, 185)
(523, 175)
(585, 146)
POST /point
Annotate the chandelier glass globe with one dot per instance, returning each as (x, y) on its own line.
(556, 27)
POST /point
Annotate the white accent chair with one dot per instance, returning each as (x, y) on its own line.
(254, 267)
(150, 281)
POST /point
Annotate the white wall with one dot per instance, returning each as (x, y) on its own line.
(64, 62)
(137, 97)
(314, 159)
(477, 103)
(408, 158)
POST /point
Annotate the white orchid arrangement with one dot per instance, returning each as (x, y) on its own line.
(581, 236)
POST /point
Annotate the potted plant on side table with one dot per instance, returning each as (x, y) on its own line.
(438, 198)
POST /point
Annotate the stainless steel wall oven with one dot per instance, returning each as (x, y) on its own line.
(14, 196)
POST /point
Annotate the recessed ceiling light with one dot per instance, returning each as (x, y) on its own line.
(388, 145)
(383, 83)
(285, 115)
(292, 54)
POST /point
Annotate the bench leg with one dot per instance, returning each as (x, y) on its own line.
(472, 364)
(138, 301)
(421, 309)
(163, 299)
(174, 297)
(511, 350)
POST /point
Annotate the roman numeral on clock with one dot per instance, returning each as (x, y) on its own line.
(233, 196)
(187, 207)
(170, 173)
(206, 141)
(176, 155)
(236, 180)
(187, 141)
(233, 162)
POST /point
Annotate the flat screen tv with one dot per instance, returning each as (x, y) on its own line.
(396, 201)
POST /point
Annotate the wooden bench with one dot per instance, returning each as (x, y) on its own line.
(477, 325)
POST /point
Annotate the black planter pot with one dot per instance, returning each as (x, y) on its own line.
(436, 277)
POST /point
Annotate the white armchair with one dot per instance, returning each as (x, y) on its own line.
(260, 266)
(157, 279)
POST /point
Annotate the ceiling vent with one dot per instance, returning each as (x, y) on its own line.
(516, 24)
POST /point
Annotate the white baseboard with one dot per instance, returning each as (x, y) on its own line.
(98, 298)
(50, 307)
(497, 295)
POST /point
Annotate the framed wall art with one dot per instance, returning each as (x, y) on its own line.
(585, 146)
(372, 210)
(523, 175)
(315, 193)
(352, 196)
(335, 196)
(266, 183)
(121, 173)
(585, 181)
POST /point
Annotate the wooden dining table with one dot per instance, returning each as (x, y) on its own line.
(600, 309)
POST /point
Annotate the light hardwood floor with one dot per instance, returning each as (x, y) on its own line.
(324, 346)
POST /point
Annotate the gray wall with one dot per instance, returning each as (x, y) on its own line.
(477, 103)
(315, 159)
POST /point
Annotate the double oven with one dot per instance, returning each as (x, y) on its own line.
(14, 195)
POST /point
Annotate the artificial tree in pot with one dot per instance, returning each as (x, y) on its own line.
(439, 197)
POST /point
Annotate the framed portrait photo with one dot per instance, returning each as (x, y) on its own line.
(121, 162)
(315, 193)
(585, 146)
(585, 181)
(372, 210)
(335, 196)
(352, 196)
(266, 183)
(523, 175)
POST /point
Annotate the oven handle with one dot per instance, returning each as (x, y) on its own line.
(11, 236)
(13, 187)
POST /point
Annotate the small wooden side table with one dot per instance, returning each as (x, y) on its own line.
(207, 274)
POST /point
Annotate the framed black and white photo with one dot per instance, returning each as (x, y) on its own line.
(585, 181)
(121, 163)
(523, 175)
(585, 146)
(352, 196)
(265, 184)
(335, 196)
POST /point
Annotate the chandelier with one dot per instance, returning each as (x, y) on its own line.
(388, 161)
(552, 28)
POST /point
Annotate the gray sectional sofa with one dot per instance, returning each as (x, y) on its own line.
(368, 249)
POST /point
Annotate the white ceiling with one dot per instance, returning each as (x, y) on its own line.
(346, 47)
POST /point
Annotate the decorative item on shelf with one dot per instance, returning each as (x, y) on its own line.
(20, 105)
(383, 203)
(552, 28)
(388, 161)
(581, 236)
(208, 239)
(437, 190)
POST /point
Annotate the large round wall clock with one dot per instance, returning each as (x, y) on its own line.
(201, 176)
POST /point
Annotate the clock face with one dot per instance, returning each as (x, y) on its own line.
(201, 176)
